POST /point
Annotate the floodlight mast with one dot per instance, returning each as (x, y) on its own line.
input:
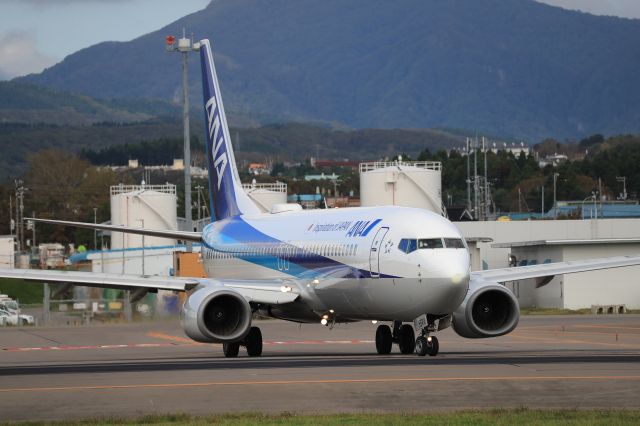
(185, 45)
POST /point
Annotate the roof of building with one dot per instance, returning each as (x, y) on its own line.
(569, 242)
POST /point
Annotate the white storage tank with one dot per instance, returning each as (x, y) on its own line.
(7, 247)
(402, 183)
(265, 195)
(138, 206)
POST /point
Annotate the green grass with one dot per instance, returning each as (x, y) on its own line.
(23, 291)
(469, 417)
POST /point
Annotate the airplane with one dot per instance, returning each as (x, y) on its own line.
(405, 266)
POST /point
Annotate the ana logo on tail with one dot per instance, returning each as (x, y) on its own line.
(216, 137)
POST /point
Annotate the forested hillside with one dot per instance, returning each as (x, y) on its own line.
(509, 68)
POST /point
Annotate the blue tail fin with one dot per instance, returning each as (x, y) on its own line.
(226, 193)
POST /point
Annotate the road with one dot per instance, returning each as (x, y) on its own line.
(152, 368)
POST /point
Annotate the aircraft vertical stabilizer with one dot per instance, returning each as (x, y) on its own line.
(226, 193)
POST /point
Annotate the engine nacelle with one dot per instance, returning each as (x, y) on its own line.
(488, 310)
(216, 314)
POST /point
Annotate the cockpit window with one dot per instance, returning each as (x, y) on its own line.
(407, 245)
(455, 243)
(430, 243)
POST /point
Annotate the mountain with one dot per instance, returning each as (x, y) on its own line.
(515, 68)
(26, 103)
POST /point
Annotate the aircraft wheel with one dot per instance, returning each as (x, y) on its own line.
(231, 349)
(406, 340)
(422, 346)
(434, 346)
(384, 340)
(253, 342)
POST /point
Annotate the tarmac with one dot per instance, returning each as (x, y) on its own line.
(125, 370)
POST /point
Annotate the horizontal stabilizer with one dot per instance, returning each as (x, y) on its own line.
(176, 235)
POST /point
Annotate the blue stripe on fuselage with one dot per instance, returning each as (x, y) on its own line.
(236, 237)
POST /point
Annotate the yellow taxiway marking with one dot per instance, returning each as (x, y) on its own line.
(179, 339)
(315, 382)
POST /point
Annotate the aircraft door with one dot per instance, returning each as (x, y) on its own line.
(374, 253)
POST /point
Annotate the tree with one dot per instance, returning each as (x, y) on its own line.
(64, 186)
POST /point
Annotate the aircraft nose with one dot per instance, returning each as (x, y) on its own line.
(454, 266)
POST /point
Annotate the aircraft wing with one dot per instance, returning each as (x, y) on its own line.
(270, 292)
(164, 233)
(93, 279)
(558, 268)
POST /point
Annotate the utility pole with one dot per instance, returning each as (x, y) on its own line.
(20, 214)
(542, 209)
(468, 176)
(475, 178)
(33, 229)
(95, 231)
(555, 200)
(11, 223)
(198, 188)
(486, 182)
(184, 46)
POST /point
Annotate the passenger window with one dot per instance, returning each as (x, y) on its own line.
(455, 243)
(430, 243)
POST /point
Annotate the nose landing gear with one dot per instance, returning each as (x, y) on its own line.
(427, 345)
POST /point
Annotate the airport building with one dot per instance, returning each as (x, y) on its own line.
(492, 242)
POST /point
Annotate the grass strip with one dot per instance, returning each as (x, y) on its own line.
(466, 417)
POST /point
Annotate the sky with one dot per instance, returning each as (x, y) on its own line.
(35, 34)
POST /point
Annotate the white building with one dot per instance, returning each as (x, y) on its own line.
(609, 287)
(561, 240)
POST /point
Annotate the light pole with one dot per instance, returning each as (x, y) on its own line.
(184, 46)
(555, 206)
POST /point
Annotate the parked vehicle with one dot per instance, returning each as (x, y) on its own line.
(8, 318)
(8, 304)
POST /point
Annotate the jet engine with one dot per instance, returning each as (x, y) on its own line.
(216, 314)
(488, 310)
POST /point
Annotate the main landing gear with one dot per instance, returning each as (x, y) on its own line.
(252, 342)
(403, 335)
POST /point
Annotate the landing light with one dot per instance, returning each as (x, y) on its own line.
(374, 321)
(323, 321)
(285, 289)
(331, 311)
(429, 339)
(316, 281)
(457, 278)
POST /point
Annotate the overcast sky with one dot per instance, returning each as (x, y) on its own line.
(35, 34)
(623, 8)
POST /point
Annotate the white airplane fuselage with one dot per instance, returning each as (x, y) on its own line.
(347, 262)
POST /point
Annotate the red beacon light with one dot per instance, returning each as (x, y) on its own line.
(170, 40)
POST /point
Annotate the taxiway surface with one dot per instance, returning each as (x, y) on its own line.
(152, 368)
